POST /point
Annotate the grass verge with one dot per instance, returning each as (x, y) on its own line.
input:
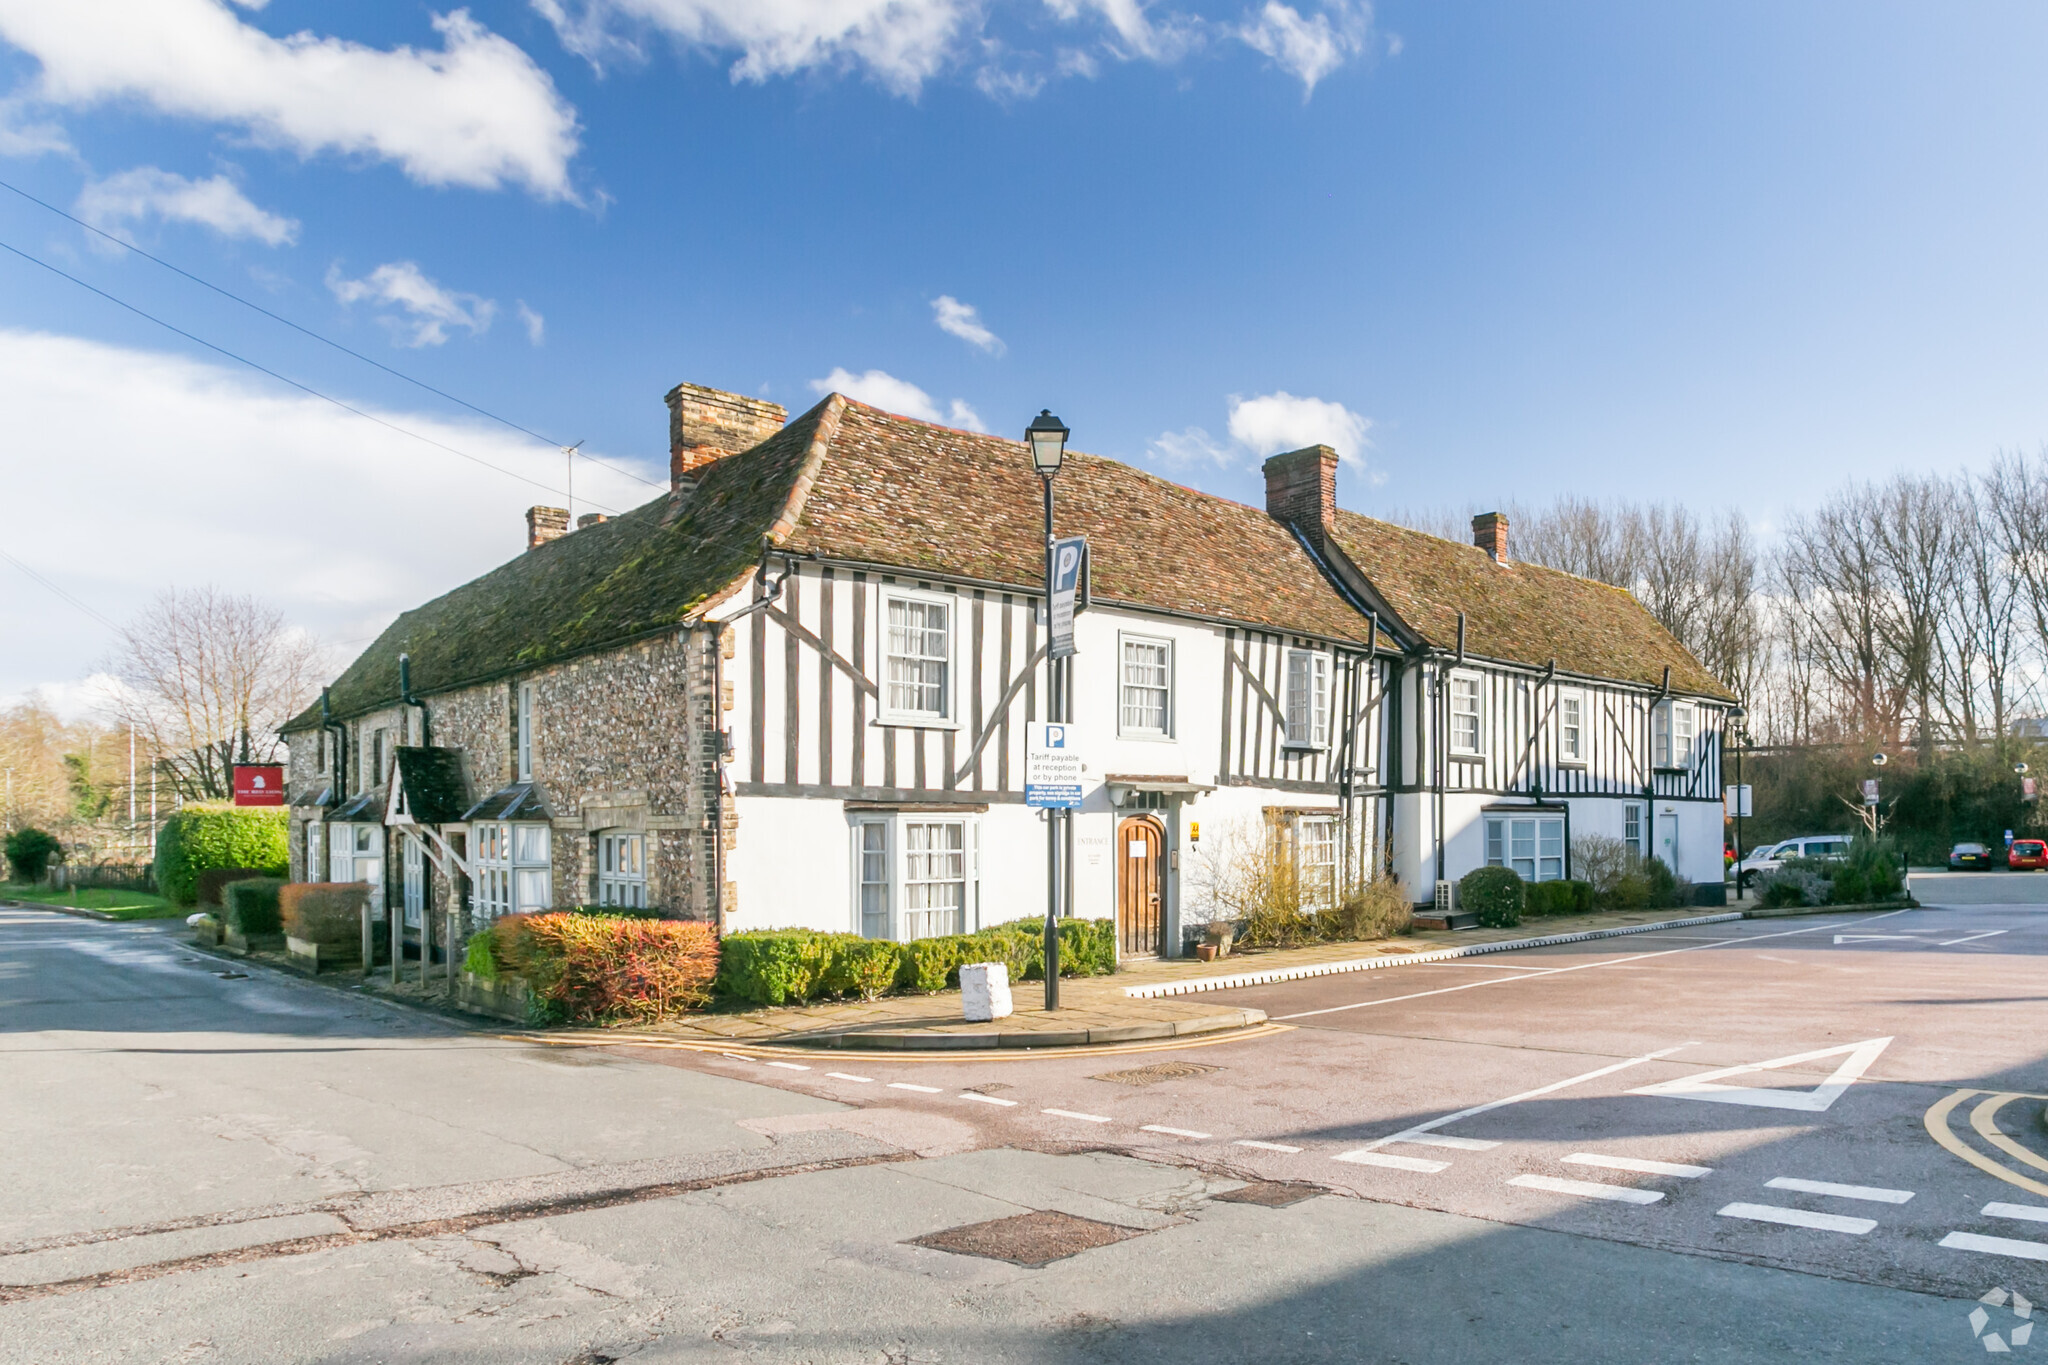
(123, 905)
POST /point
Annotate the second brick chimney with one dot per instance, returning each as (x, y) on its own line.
(707, 424)
(544, 524)
(1301, 490)
(1490, 533)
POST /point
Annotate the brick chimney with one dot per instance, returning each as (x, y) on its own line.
(1301, 490)
(707, 424)
(1490, 533)
(544, 524)
(589, 519)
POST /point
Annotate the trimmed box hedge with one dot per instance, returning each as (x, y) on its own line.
(793, 966)
(1494, 894)
(214, 881)
(203, 837)
(327, 913)
(251, 906)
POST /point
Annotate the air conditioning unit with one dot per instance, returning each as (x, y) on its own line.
(1446, 897)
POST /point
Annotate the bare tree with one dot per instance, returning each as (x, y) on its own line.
(1834, 582)
(1914, 536)
(208, 677)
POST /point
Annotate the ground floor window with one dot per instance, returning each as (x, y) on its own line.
(915, 876)
(514, 870)
(622, 870)
(1315, 861)
(355, 853)
(1533, 845)
(1632, 826)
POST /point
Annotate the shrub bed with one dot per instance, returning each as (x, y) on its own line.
(327, 913)
(252, 906)
(792, 966)
(218, 836)
(1495, 894)
(213, 882)
(1559, 898)
(603, 969)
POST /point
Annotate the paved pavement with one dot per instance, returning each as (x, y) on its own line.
(223, 1168)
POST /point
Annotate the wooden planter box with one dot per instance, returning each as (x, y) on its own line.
(505, 998)
(207, 933)
(310, 957)
(246, 944)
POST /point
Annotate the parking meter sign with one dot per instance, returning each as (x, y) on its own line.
(1052, 766)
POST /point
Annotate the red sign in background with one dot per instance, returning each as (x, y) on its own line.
(259, 785)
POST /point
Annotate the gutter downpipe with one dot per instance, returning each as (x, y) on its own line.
(340, 733)
(766, 594)
(405, 695)
(1442, 742)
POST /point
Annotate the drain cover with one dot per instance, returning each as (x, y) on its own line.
(1155, 1073)
(1272, 1194)
(1032, 1240)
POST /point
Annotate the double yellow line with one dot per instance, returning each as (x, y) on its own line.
(1984, 1119)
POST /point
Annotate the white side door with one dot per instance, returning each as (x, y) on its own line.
(415, 882)
(1667, 840)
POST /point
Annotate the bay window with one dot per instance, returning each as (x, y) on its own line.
(1533, 845)
(514, 869)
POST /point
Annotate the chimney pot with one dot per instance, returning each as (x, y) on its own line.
(1301, 490)
(1490, 533)
(591, 519)
(705, 425)
(544, 524)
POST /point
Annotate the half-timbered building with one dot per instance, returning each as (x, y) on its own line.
(794, 691)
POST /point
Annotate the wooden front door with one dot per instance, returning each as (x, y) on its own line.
(1139, 922)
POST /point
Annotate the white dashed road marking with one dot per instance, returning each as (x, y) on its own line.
(2032, 1213)
(1800, 1218)
(1174, 1132)
(1996, 1246)
(1072, 1114)
(1586, 1189)
(1456, 1144)
(1266, 1146)
(790, 1066)
(1869, 1194)
(987, 1099)
(920, 1089)
(1363, 1157)
(842, 1076)
(1634, 1163)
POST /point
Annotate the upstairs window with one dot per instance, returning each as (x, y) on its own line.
(1466, 735)
(1308, 699)
(523, 732)
(1571, 727)
(918, 658)
(1145, 705)
(1676, 725)
(622, 870)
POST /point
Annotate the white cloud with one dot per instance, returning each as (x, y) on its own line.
(148, 192)
(429, 309)
(1137, 35)
(1279, 421)
(964, 321)
(366, 522)
(881, 389)
(1190, 447)
(1310, 49)
(477, 112)
(536, 325)
(22, 134)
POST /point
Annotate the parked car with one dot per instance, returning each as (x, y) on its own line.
(1772, 856)
(2027, 855)
(1965, 856)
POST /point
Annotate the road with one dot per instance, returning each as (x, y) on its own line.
(255, 1168)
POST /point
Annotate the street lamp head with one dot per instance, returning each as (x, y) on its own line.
(1878, 760)
(2020, 768)
(1047, 437)
(1736, 715)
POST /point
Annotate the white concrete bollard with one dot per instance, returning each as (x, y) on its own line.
(985, 992)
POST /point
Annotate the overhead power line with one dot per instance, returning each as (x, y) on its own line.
(282, 379)
(324, 340)
(60, 592)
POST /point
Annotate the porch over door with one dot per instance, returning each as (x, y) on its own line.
(1139, 844)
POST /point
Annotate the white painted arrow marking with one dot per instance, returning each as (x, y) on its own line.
(1876, 938)
(1815, 1101)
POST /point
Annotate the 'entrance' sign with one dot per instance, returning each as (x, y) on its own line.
(1052, 766)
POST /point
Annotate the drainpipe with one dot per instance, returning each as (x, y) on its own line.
(766, 594)
(405, 695)
(1443, 742)
(340, 733)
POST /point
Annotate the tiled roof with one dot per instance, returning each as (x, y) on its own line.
(1522, 613)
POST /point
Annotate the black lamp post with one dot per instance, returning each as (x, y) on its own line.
(1736, 717)
(1047, 437)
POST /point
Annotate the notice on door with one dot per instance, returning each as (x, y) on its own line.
(1052, 766)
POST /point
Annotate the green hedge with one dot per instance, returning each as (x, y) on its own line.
(791, 966)
(210, 836)
(30, 851)
(252, 905)
(1495, 894)
(214, 881)
(1559, 898)
(327, 913)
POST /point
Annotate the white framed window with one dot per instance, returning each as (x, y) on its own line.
(1315, 860)
(915, 875)
(523, 732)
(917, 658)
(1145, 696)
(1632, 826)
(1533, 845)
(1571, 727)
(376, 758)
(355, 853)
(1468, 735)
(514, 869)
(1308, 699)
(622, 870)
(1676, 725)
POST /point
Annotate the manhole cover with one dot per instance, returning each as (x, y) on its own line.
(1272, 1194)
(1155, 1073)
(1032, 1240)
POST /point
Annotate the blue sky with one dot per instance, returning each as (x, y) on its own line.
(1731, 255)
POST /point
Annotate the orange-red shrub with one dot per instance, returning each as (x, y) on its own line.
(605, 969)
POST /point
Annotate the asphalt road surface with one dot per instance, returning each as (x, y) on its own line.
(1816, 1138)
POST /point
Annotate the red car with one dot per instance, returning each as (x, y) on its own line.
(2027, 855)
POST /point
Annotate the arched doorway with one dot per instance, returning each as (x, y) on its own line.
(1140, 884)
